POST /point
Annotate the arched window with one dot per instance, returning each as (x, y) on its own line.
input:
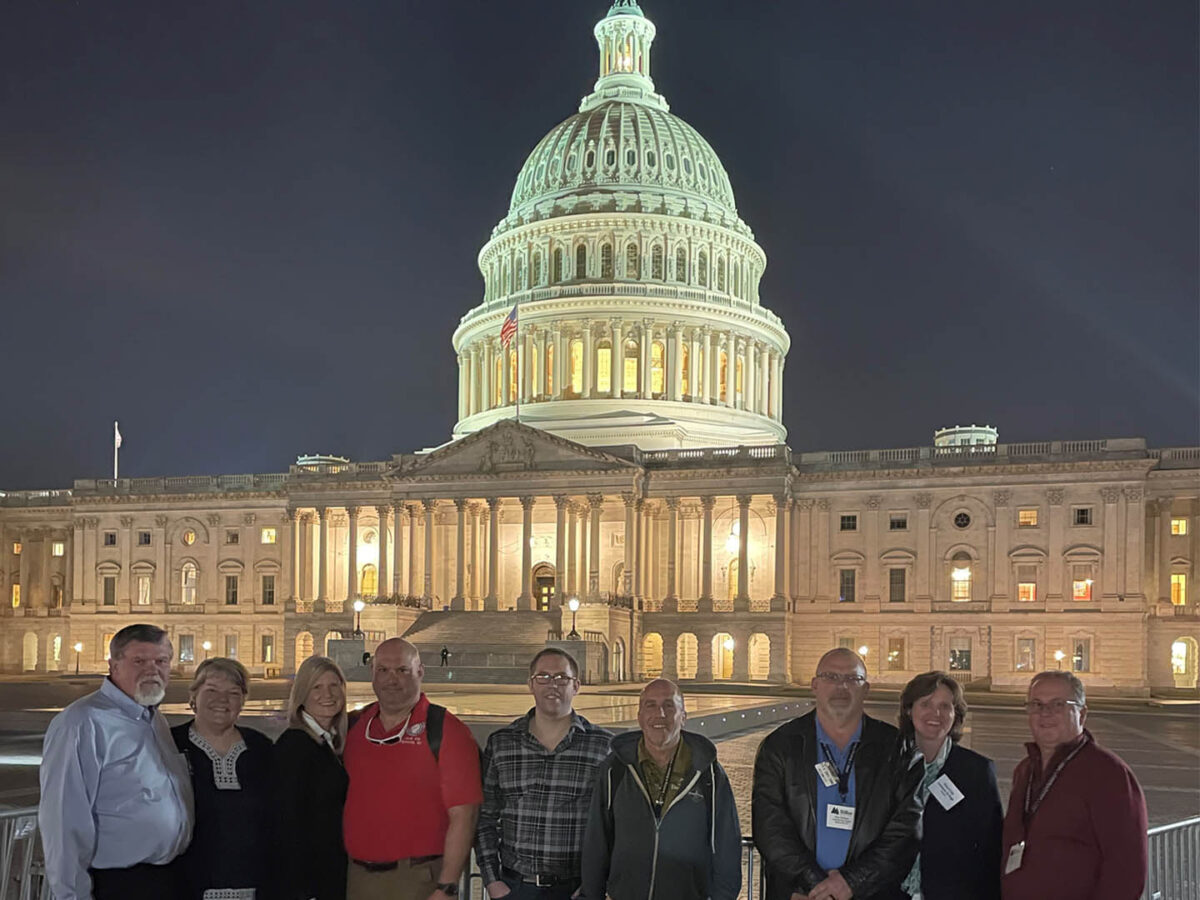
(581, 261)
(657, 369)
(535, 372)
(368, 583)
(304, 647)
(498, 382)
(721, 274)
(512, 375)
(737, 384)
(723, 366)
(960, 577)
(737, 279)
(722, 656)
(550, 369)
(505, 279)
(604, 367)
(656, 262)
(702, 269)
(606, 260)
(684, 360)
(633, 262)
(520, 267)
(652, 655)
(557, 272)
(610, 157)
(537, 268)
(187, 583)
(577, 367)
(632, 354)
(681, 264)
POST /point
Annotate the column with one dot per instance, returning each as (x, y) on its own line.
(671, 600)
(675, 370)
(561, 503)
(694, 376)
(526, 601)
(1135, 521)
(1112, 542)
(704, 653)
(639, 557)
(794, 551)
(382, 581)
(322, 558)
(777, 386)
(526, 367)
(474, 555)
(618, 356)
(458, 601)
(764, 380)
(925, 537)
(630, 500)
(124, 581)
(1054, 591)
(1164, 549)
(490, 602)
(430, 506)
(75, 595)
(741, 602)
(489, 366)
(352, 554)
(572, 550)
(748, 379)
(644, 366)
(582, 570)
(707, 384)
(539, 390)
(589, 356)
(705, 603)
(412, 550)
(294, 560)
(595, 501)
(560, 351)
(462, 385)
(305, 590)
(779, 600)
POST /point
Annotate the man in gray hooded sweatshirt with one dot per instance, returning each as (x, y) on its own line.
(662, 823)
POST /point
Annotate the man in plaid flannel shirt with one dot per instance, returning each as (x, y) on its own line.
(537, 784)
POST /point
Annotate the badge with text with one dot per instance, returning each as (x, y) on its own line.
(840, 817)
(946, 791)
(1015, 852)
(827, 773)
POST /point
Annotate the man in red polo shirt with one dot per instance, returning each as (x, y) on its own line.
(410, 818)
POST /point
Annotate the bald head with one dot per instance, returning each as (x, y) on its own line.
(398, 648)
(396, 674)
(663, 687)
(841, 656)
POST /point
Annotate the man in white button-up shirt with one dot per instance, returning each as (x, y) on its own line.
(116, 806)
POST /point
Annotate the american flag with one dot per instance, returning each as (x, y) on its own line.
(508, 328)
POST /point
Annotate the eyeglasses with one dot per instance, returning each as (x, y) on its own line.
(853, 680)
(558, 680)
(1054, 707)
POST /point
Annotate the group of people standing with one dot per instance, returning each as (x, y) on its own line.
(389, 803)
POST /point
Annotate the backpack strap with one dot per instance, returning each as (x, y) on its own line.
(435, 719)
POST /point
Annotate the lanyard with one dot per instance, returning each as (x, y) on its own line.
(842, 774)
(1031, 809)
(666, 783)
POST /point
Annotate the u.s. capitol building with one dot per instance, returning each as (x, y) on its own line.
(626, 449)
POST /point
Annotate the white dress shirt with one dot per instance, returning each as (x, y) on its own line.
(115, 791)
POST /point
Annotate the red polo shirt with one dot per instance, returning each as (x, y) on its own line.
(398, 797)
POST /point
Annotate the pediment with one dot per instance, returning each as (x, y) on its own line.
(509, 446)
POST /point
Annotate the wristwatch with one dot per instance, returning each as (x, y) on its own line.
(449, 888)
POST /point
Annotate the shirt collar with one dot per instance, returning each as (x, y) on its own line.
(577, 722)
(1035, 752)
(124, 702)
(315, 727)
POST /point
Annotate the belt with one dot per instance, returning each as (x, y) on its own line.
(541, 880)
(395, 864)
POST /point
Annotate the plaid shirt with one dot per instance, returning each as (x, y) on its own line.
(535, 802)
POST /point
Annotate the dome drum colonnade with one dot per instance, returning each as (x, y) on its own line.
(635, 280)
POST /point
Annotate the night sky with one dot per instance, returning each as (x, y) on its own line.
(248, 230)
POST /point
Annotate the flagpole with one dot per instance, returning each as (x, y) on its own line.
(520, 365)
(116, 448)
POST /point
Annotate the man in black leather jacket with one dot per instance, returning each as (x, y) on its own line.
(835, 810)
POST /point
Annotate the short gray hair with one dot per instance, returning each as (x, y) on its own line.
(1070, 678)
(148, 634)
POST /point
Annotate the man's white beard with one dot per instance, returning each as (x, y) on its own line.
(149, 693)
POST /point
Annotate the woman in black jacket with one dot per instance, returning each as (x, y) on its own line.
(960, 843)
(310, 786)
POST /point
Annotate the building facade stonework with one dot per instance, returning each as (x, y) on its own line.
(626, 449)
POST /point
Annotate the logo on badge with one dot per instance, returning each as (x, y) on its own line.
(416, 729)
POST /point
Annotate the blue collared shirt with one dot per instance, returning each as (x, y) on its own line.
(115, 791)
(833, 843)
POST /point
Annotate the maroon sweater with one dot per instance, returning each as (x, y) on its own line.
(1087, 840)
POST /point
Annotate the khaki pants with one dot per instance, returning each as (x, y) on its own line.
(405, 882)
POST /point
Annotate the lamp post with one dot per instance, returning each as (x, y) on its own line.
(358, 608)
(1059, 656)
(78, 648)
(207, 645)
(573, 605)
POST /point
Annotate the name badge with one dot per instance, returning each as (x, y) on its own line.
(946, 791)
(840, 817)
(1015, 852)
(827, 774)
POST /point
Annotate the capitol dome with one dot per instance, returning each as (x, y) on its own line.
(626, 284)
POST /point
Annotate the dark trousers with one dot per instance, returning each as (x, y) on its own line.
(140, 882)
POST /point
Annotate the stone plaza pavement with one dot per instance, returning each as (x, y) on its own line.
(1163, 749)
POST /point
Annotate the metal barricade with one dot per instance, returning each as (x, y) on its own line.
(1174, 861)
(22, 875)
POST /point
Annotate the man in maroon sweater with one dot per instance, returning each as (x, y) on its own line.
(1076, 822)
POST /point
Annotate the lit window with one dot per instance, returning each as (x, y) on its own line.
(895, 653)
(110, 539)
(106, 643)
(849, 523)
(189, 538)
(1179, 658)
(143, 590)
(960, 654)
(1027, 591)
(898, 522)
(232, 536)
(1081, 655)
(231, 646)
(1026, 660)
(846, 585)
(56, 648)
(368, 585)
(576, 350)
(737, 382)
(187, 583)
(657, 351)
(1179, 526)
(268, 648)
(1179, 589)
(1082, 515)
(498, 381)
(632, 351)
(267, 536)
(512, 375)
(1081, 582)
(1027, 518)
(684, 365)
(897, 584)
(549, 370)
(58, 548)
(16, 596)
(187, 648)
(268, 590)
(16, 548)
(723, 366)
(110, 590)
(960, 578)
(848, 643)
(143, 539)
(231, 590)
(604, 368)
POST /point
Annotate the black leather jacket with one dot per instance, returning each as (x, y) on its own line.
(887, 819)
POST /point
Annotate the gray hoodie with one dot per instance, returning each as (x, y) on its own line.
(693, 852)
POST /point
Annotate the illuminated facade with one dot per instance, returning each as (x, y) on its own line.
(647, 477)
